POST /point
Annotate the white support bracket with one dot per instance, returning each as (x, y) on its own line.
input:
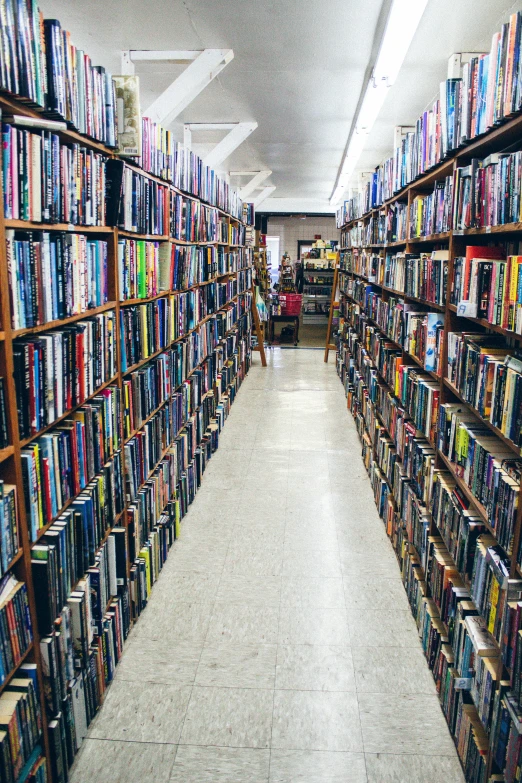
(237, 133)
(235, 136)
(203, 67)
(258, 177)
(265, 193)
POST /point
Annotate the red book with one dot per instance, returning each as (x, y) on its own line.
(473, 252)
(11, 622)
(46, 478)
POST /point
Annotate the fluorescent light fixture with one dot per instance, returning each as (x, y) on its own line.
(402, 22)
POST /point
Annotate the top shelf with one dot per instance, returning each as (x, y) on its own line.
(494, 140)
(11, 105)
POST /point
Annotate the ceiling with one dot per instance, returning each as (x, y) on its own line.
(298, 70)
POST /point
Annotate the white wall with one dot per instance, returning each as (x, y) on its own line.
(290, 229)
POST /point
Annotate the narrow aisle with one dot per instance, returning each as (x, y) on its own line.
(278, 644)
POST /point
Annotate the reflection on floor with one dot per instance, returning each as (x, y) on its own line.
(312, 335)
(278, 645)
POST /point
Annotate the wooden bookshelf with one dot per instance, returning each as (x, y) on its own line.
(455, 242)
(10, 457)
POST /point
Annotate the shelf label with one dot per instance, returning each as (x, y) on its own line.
(462, 683)
(488, 229)
(458, 233)
(467, 309)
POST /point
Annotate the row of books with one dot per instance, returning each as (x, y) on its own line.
(46, 180)
(141, 203)
(419, 333)
(63, 562)
(78, 92)
(51, 482)
(193, 176)
(151, 327)
(487, 467)
(192, 221)
(182, 267)
(487, 192)
(57, 371)
(16, 633)
(79, 660)
(420, 276)
(150, 386)
(158, 153)
(488, 91)
(486, 285)
(431, 213)
(54, 275)
(489, 378)
(40, 63)
(85, 443)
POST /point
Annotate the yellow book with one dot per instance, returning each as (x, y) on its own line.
(177, 525)
(145, 554)
(495, 590)
(145, 332)
(508, 400)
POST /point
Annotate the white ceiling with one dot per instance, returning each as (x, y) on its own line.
(298, 71)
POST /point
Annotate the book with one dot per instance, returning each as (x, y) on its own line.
(4, 431)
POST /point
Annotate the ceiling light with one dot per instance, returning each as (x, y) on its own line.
(402, 22)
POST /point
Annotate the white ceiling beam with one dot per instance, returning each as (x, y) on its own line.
(265, 193)
(188, 85)
(232, 140)
(151, 55)
(209, 126)
(258, 178)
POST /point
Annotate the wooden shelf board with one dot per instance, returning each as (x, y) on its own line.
(28, 225)
(13, 671)
(483, 322)
(6, 453)
(56, 422)
(64, 321)
(444, 237)
(507, 442)
(149, 237)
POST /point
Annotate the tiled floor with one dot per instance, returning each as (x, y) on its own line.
(278, 644)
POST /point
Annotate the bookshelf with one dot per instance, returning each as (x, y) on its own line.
(160, 410)
(434, 505)
(318, 274)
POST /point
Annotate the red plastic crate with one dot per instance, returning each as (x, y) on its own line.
(290, 304)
